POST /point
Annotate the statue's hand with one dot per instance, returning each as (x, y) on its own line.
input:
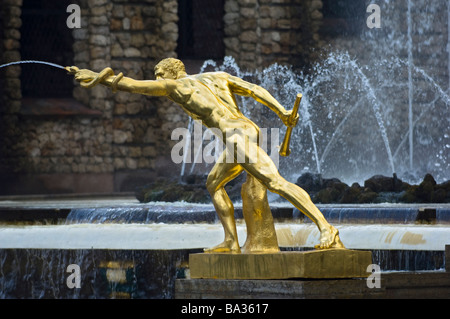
(88, 78)
(72, 69)
(85, 75)
(288, 121)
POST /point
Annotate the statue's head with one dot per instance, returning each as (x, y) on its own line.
(170, 68)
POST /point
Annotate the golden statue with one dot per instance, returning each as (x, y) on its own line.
(210, 97)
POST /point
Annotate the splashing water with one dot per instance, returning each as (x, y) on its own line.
(349, 122)
(32, 61)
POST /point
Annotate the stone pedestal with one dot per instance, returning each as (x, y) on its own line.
(331, 263)
(394, 285)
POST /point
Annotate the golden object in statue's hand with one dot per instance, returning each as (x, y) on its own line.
(284, 147)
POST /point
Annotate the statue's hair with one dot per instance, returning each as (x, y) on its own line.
(172, 65)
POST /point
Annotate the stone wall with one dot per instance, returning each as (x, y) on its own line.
(130, 38)
(119, 139)
(115, 141)
(260, 33)
(123, 139)
(10, 93)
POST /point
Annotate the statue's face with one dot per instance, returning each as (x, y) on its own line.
(162, 74)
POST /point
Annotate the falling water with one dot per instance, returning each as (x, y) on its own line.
(376, 104)
(448, 43)
(376, 108)
(335, 96)
(410, 88)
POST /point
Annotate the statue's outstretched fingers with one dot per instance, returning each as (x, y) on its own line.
(72, 69)
(106, 72)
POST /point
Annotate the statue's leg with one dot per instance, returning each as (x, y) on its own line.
(261, 235)
(267, 173)
(221, 174)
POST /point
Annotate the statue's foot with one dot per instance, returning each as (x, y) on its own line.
(251, 248)
(225, 247)
(329, 238)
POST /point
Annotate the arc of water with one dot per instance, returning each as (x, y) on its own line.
(206, 64)
(410, 87)
(346, 60)
(444, 95)
(311, 129)
(441, 92)
(448, 43)
(405, 137)
(376, 107)
(33, 62)
(319, 170)
(338, 129)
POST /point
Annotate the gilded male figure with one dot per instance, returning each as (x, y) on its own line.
(210, 98)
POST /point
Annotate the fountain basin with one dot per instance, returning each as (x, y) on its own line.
(151, 242)
(196, 236)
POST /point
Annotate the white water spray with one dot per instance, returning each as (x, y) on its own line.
(410, 88)
(32, 62)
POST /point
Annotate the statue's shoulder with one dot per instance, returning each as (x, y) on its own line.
(217, 74)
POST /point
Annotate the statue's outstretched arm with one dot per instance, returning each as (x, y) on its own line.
(261, 95)
(89, 79)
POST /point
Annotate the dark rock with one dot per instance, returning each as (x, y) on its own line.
(327, 195)
(339, 186)
(409, 195)
(351, 194)
(428, 191)
(330, 182)
(425, 190)
(429, 179)
(439, 196)
(311, 183)
(379, 183)
(195, 179)
(171, 192)
(440, 190)
(445, 186)
(367, 196)
(377, 189)
(333, 193)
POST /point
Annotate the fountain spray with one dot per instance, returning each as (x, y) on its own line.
(34, 62)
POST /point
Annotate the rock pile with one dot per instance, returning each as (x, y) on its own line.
(377, 189)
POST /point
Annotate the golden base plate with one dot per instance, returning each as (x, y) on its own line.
(331, 263)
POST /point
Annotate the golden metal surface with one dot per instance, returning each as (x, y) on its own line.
(284, 148)
(261, 235)
(329, 263)
(210, 97)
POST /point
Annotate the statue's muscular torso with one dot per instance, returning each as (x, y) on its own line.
(208, 97)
